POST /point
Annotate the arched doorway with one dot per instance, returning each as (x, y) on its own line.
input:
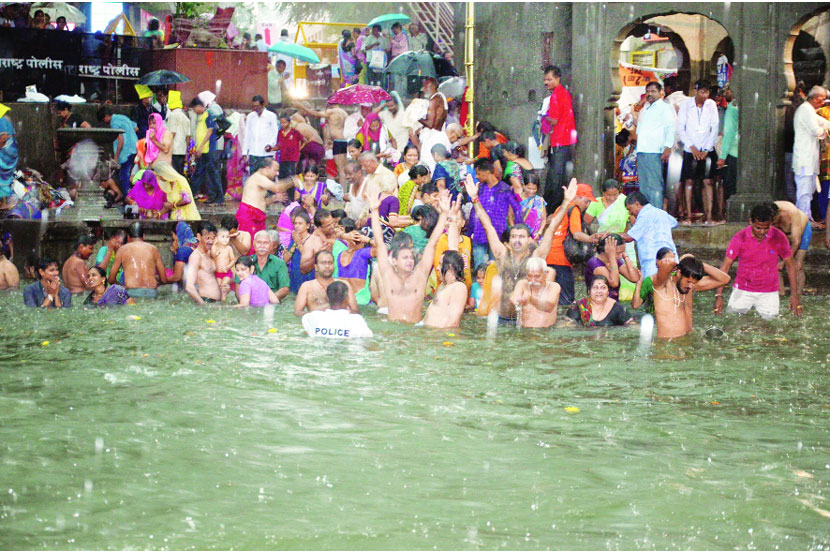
(807, 50)
(685, 47)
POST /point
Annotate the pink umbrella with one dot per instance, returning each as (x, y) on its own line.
(359, 94)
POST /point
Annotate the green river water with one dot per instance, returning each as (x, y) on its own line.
(170, 432)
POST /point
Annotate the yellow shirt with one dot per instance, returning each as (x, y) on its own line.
(201, 132)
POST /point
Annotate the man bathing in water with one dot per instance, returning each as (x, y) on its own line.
(403, 281)
(75, 272)
(512, 259)
(312, 294)
(335, 118)
(674, 287)
(537, 297)
(143, 269)
(451, 297)
(201, 283)
(251, 212)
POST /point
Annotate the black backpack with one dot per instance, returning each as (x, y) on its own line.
(577, 252)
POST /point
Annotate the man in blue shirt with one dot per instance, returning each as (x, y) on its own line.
(497, 199)
(47, 292)
(655, 138)
(651, 231)
(124, 145)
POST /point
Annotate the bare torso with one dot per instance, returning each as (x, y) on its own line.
(436, 106)
(75, 274)
(309, 133)
(223, 257)
(205, 278)
(405, 295)
(254, 191)
(446, 309)
(138, 260)
(532, 317)
(9, 276)
(316, 299)
(791, 221)
(336, 118)
(672, 311)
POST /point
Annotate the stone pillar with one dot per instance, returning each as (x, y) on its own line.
(757, 79)
(591, 81)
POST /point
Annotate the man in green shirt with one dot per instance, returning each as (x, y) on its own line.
(729, 146)
(270, 268)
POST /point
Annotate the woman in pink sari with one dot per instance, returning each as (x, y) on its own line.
(147, 195)
(159, 144)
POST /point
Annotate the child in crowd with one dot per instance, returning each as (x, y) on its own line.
(477, 289)
(223, 255)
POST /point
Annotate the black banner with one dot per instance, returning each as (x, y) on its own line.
(96, 66)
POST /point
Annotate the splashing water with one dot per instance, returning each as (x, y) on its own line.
(84, 160)
(493, 315)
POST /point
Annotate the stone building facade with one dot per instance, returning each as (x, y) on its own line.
(514, 41)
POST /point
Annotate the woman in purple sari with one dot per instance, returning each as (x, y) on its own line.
(147, 195)
(103, 295)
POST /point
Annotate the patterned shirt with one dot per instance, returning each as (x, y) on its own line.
(495, 200)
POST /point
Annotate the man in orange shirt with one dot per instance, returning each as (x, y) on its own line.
(572, 223)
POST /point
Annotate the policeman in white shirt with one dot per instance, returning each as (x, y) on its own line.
(261, 128)
(336, 321)
(697, 129)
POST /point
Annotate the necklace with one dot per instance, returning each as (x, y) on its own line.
(676, 299)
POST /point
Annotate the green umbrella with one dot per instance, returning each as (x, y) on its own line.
(389, 19)
(294, 50)
(412, 63)
(163, 77)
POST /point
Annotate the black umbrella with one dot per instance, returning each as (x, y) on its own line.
(163, 77)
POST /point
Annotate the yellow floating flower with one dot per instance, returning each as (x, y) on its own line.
(272, 330)
(134, 318)
(572, 409)
(448, 344)
(450, 334)
(210, 321)
(44, 343)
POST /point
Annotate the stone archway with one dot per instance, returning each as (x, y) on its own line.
(807, 50)
(698, 36)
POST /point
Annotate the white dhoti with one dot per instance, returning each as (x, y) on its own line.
(428, 139)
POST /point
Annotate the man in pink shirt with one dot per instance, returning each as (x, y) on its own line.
(758, 249)
(558, 123)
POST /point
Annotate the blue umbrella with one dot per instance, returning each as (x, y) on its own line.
(294, 50)
(389, 19)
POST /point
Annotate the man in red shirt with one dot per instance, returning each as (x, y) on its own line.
(289, 140)
(558, 123)
(758, 249)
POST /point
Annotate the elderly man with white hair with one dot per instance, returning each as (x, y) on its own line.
(810, 128)
(269, 267)
(377, 178)
(535, 296)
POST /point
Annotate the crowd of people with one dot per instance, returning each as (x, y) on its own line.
(388, 206)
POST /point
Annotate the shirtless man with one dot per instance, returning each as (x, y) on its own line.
(9, 276)
(537, 296)
(241, 241)
(143, 269)
(796, 225)
(432, 132)
(451, 296)
(312, 294)
(312, 147)
(674, 286)
(512, 259)
(403, 281)
(200, 280)
(251, 212)
(75, 275)
(322, 239)
(335, 117)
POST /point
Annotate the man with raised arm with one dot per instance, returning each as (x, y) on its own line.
(512, 260)
(674, 286)
(451, 297)
(403, 281)
(251, 212)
